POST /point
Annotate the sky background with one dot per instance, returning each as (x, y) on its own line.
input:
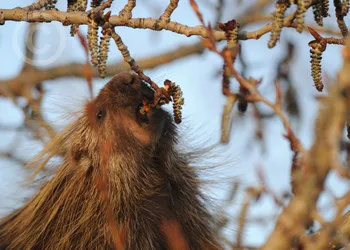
(198, 77)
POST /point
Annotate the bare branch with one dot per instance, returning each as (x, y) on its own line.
(169, 10)
(69, 18)
(126, 12)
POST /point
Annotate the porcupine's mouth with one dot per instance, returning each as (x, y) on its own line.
(152, 115)
(143, 114)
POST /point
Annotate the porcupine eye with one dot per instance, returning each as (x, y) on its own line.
(100, 115)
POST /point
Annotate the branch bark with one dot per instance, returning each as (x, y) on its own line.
(68, 18)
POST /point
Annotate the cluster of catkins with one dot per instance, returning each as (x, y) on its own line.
(318, 46)
(320, 11)
(98, 47)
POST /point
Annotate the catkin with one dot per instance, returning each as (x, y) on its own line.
(78, 5)
(82, 5)
(71, 5)
(93, 41)
(300, 16)
(103, 54)
(325, 8)
(345, 7)
(318, 12)
(316, 56)
(175, 92)
(92, 36)
(277, 24)
(339, 8)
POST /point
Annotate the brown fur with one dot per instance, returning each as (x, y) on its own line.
(148, 183)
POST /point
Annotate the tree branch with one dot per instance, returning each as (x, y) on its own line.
(316, 164)
(28, 79)
(20, 14)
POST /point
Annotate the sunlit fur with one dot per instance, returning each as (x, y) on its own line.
(149, 182)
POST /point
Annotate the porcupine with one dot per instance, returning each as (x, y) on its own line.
(149, 181)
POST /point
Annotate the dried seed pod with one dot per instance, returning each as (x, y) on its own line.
(175, 92)
(277, 23)
(300, 16)
(317, 48)
(318, 12)
(103, 53)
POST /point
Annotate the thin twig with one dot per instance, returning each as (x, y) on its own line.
(169, 10)
(126, 12)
